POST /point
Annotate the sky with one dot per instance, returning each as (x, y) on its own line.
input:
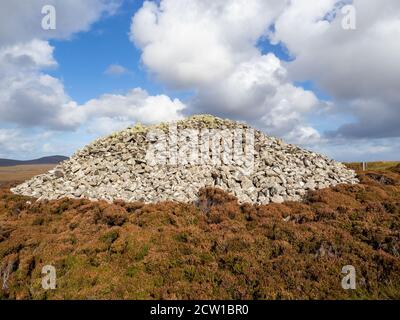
(321, 74)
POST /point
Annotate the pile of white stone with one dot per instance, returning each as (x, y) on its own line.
(172, 161)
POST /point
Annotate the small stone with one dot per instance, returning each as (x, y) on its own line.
(58, 174)
(277, 199)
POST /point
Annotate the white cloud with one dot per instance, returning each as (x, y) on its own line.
(358, 68)
(8, 141)
(211, 48)
(304, 135)
(115, 70)
(359, 150)
(16, 143)
(258, 91)
(111, 112)
(41, 135)
(30, 98)
(25, 57)
(191, 42)
(342, 61)
(20, 20)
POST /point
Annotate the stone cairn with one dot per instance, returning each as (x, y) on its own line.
(172, 161)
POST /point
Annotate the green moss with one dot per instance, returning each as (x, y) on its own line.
(182, 237)
(132, 271)
(138, 127)
(109, 237)
(206, 257)
(142, 253)
(189, 273)
(38, 221)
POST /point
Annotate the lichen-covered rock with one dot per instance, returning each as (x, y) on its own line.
(119, 166)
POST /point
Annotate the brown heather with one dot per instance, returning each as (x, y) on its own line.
(213, 249)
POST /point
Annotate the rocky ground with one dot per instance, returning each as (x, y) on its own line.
(214, 248)
(118, 166)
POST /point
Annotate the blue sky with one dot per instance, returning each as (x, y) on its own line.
(84, 59)
(253, 61)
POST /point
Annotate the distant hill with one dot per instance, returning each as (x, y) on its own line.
(44, 160)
